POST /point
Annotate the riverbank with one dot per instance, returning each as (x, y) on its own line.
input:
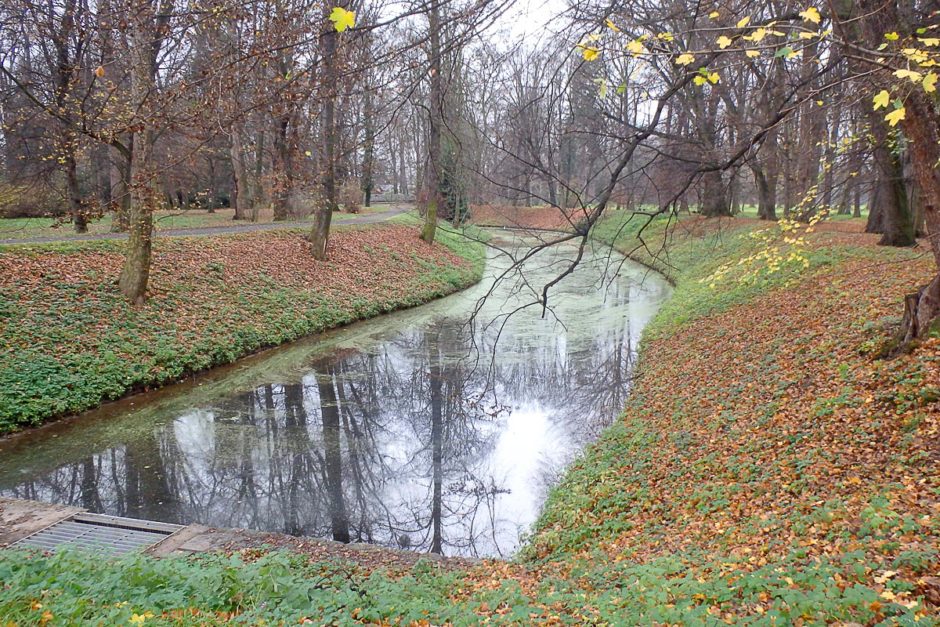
(768, 469)
(69, 341)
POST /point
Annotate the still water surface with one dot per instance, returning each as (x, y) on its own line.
(415, 430)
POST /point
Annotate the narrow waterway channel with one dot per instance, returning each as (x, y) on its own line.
(414, 430)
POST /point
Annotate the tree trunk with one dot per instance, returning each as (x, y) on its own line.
(283, 170)
(393, 167)
(714, 196)
(368, 148)
(896, 223)
(136, 271)
(436, 121)
(102, 173)
(922, 309)
(766, 195)
(241, 188)
(121, 188)
(320, 233)
(258, 194)
(76, 206)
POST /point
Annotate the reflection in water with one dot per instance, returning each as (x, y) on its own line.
(411, 430)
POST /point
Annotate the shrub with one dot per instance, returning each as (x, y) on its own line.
(350, 196)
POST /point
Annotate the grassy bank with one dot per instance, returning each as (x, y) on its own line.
(68, 341)
(767, 470)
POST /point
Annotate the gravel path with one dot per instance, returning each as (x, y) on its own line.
(369, 218)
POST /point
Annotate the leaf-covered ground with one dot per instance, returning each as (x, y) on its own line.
(768, 469)
(524, 217)
(69, 341)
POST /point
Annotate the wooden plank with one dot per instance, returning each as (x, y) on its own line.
(126, 523)
(20, 518)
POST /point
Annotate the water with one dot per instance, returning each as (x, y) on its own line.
(417, 430)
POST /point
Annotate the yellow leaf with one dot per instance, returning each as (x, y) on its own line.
(744, 21)
(884, 577)
(807, 35)
(685, 58)
(665, 36)
(914, 77)
(752, 54)
(99, 71)
(714, 15)
(757, 35)
(930, 41)
(723, 42)
(892, 36)
(895, 116)
(811, 15)
(713, 77)
(930, 83)
(636, 48)
(881, 99)
(589, 52)
(699, 80)
(820, 103)
(611, 25)
(342, 19)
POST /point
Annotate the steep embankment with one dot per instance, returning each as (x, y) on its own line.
(767, 469)
(68, 341)
(767, 465)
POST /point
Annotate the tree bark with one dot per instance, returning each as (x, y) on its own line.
(436, 121)
(320, 233)
(368, 149)
(283, 169)
(242, 200)
(896, 223)
(135, 274)
(766, 194)
(714, 196)
(121, 188)
(922, 309)
(76, 206)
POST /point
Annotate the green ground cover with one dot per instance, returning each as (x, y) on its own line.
(68, 340)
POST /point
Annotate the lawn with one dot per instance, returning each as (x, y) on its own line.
(24, 228)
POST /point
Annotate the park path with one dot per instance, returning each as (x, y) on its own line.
(342, 220)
